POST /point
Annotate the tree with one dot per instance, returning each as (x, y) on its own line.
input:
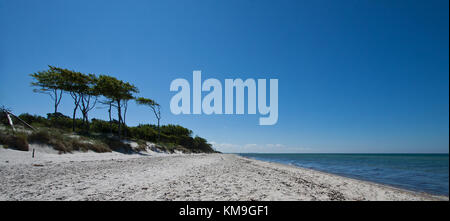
(73, 83)
(155, 107)
(201, 144)
(119, 92)
(81, 88)
(110, 104)
(125, 108)
(126, 93)
(49, 82)
(88, 94)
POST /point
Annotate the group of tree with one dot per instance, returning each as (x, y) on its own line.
(86, 90)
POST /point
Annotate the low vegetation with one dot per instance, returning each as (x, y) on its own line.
(56, 131)
(17, 141)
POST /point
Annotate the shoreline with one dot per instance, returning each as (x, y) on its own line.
(166, 177)
(382, 185)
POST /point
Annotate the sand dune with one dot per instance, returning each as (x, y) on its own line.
(151, 176)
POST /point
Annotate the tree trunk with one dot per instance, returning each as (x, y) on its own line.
(56, 103)
(73, 118)
(110, 120)
(159, 132)
(86, 119)
(120, 118)
(57, 99)
(76, 101)
(124, 119)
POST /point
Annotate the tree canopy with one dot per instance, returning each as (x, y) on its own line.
(49, 82)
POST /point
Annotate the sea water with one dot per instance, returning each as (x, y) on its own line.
(418, 172)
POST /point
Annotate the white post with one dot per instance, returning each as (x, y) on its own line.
(10, 121)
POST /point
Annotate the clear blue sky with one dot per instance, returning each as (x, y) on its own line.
(354, 76)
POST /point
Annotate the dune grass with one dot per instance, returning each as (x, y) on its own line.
(68, 142)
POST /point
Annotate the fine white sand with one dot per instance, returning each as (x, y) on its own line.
(157, 176)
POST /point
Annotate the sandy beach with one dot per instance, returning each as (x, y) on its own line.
(158, 176)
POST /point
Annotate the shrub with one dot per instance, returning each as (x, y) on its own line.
(51, 138)
(144, 132)
(202, 145)
(19, 143)
(101, 126)
(16, 141)
(3, 118)
(41, 136)
(85, 146)
(177, 135)
(98, 147)
(175, 130)
(61, 146)
(115, 144)
(34, 119)
(60, 121)
(67, 144)
(142, 146)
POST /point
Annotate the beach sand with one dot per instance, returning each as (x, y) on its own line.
(153, 176)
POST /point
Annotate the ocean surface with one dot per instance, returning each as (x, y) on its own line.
(418, 172)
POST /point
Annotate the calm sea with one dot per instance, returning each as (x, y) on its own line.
(418, 172)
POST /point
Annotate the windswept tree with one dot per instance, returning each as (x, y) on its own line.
(49, 82)
(81, 88)
(119, 92)
(126, 94)
(155, 107)
(125, 109)
(74, 83)
(89, 96)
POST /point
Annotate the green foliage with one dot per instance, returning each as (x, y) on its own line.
(53, 120)
(101, 126)
(40, 136)
(49, 82)
(201, 144)
(3, 118)
(98, 147)
(32, 119)
(114, 89)
(118, 92)
(115, 144)
(58, 120)
(175, 130)
(15, 141)
(83, 87)
(74, 82)
(145, 101)
(65, 144)
(144, 132)
(173, 134)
